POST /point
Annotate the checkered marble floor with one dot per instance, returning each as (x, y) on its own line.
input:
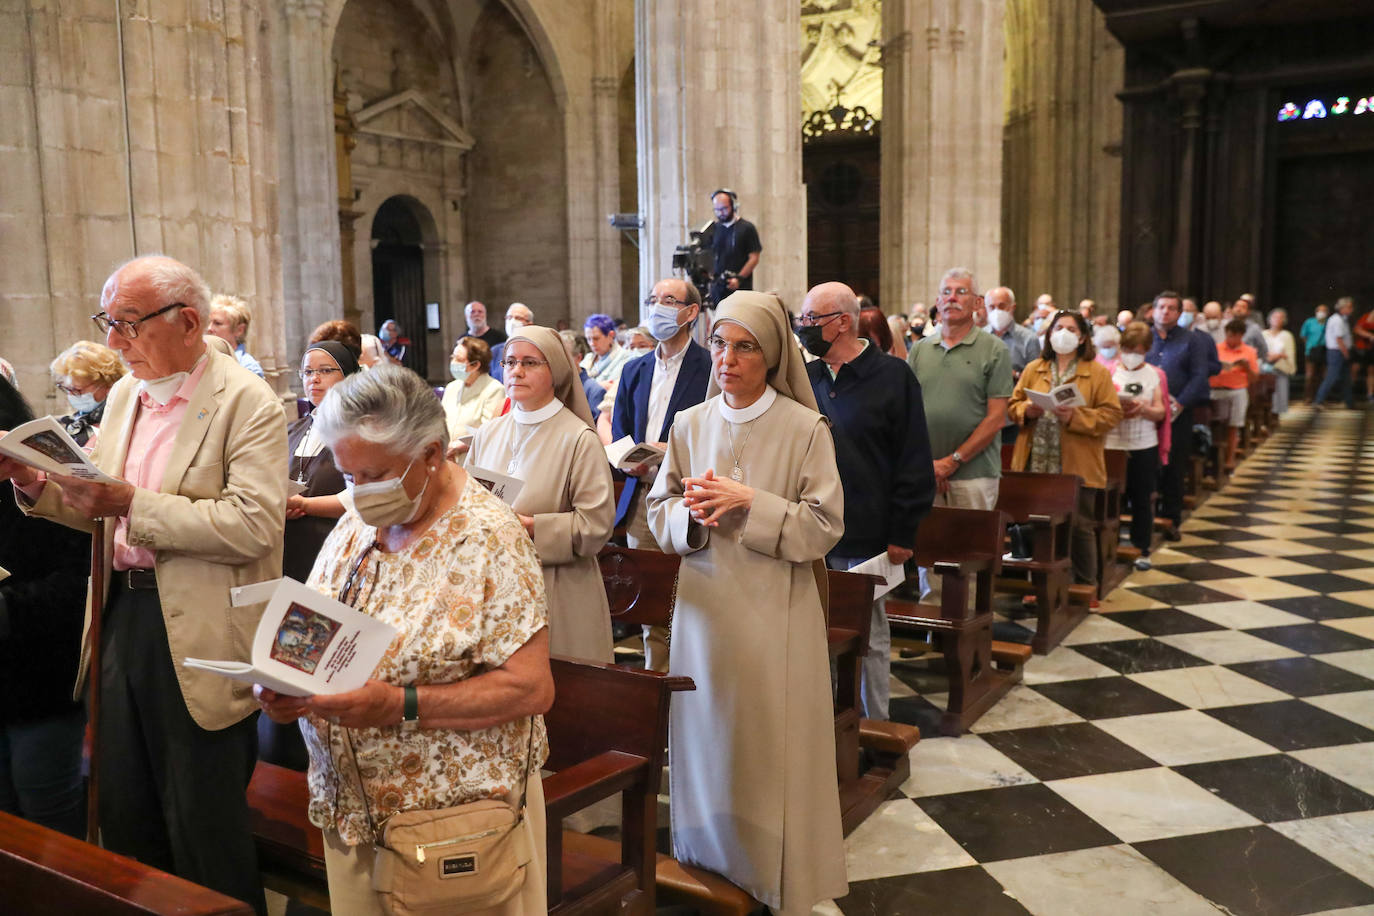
(1204, 744)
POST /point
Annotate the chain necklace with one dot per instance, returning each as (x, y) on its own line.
(736, 473)
(517, 452)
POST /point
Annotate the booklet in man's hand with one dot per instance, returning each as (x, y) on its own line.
(307, 643)
(626, 455)
(43, 444)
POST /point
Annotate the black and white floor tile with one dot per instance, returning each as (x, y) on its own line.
(1205, 744)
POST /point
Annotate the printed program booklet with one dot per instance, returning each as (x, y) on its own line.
(1066, 395)
(43, 444)
(626, 454)
(307, 643)
(503, 486)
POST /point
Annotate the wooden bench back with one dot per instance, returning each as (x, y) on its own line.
(950, 535)
(600, 708)
(43, 871)
(641, 585)
(1023, 494)
(1116, 467)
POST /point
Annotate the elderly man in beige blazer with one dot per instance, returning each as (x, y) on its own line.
(198, 445)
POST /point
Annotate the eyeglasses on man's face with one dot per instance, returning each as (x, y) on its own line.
(529, 364)
(952, 292)
(813, 319)
(323, 372)
(129, 328)
(719, 345)
(669, 301)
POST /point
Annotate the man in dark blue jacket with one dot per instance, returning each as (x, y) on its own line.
(882, 450)
(1185, 358)
(652, 389)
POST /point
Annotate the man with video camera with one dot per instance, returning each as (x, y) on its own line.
(735, 244)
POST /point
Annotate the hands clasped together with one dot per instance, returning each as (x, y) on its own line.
(709, 497)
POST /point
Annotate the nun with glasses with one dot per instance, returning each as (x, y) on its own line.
(750, 496)
(567, 501)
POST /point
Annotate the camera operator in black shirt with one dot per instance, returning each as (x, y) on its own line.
(735, 244)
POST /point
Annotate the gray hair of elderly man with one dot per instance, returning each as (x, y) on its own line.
(389, 406)
(168, 279)
(958, 273)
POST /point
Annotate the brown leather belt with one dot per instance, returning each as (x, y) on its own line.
(136, 579)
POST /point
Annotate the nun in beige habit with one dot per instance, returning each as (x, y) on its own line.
(749, 495)
(567, 504)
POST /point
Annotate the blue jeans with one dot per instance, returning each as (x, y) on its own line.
(40, 771)
(1337, 370)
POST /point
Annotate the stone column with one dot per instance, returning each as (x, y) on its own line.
(941, 145)
(606, 118)
(1062, 154)
(719, 93)
(310, 199)
(169, 152)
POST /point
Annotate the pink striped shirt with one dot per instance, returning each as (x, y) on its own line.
(150, 448)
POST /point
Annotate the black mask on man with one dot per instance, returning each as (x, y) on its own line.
(813, 339)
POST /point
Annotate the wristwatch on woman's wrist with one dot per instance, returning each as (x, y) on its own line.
(957, 458)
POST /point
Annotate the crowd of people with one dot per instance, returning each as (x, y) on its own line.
(787, 443)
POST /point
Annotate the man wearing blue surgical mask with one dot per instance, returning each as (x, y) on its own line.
(652, 389)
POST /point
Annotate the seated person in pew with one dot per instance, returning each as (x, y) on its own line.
(453, 712)
(652, 389)
(749, 495)
(1139, 387)
(1068, 440)
(1231, 386)
(882, 451)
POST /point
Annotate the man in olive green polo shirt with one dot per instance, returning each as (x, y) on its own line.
(965, 376)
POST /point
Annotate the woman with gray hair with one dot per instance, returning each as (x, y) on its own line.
(452, 713)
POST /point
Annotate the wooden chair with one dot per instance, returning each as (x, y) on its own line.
(1107, 509)
(862, 789)
(607, 732)
(43, 871)
(963, 547)
(641, 589)
(1125, 554)
(1049, 504)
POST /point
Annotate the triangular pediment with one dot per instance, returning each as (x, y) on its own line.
(381, 118)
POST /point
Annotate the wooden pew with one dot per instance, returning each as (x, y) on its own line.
(1113, 561)
(43, 871)
(1049, 504)
(607, 732)
(641, 588)
(963, 547)
(883, 746)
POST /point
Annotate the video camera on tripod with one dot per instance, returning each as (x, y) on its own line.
(695, 259)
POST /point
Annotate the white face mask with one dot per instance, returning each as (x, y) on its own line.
(1000, 319)
(384, 503)
(162, 389)
(514, 326)
(1132, 361)
(1064, 341)
(82, 403)
(457, 370)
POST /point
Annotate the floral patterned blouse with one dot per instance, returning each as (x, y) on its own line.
(465, 596)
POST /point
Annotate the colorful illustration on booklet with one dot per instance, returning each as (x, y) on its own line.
(51, 445)
(302, 638)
